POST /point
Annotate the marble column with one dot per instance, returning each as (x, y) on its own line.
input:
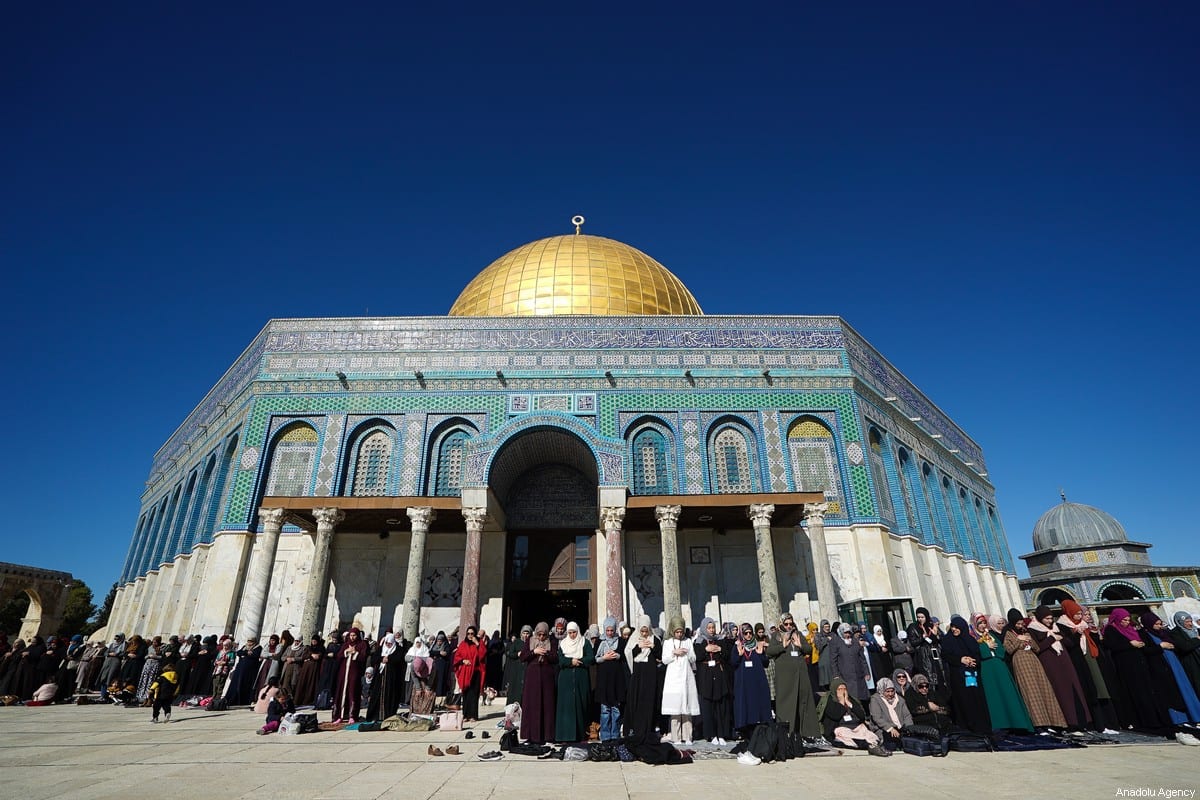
(668, 520)
(612, 518)
(768, 583)
(318, 574)
(470, 586)
(814, 517)
(421, 517)
(258, 582)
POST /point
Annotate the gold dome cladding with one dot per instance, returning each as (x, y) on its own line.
(574, 274)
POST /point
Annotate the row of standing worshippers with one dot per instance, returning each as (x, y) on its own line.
(1049, 672)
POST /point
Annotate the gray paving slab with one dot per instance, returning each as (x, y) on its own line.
(98, 752)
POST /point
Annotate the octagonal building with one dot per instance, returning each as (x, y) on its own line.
(575, 438)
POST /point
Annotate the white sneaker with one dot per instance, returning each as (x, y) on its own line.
(1109, 732)
(1187, 738)
(686, 743)
(750, 760)
(716, 740)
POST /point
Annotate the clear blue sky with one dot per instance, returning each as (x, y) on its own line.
(1002, 199)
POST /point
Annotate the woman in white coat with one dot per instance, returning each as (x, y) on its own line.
(681, 700)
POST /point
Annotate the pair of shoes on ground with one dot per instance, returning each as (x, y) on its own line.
(1187, 738)
(491, 755)
(749, 759)
(719, 741)
(879, 750)
(452, 750)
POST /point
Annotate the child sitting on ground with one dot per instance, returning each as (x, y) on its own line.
(162, 691)
(266, 695)
(280, 704)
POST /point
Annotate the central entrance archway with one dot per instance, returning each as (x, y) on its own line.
(546, 481)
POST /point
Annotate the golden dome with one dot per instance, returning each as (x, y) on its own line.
(574, 274)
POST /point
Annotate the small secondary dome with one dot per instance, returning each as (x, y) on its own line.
(1076, 525)
(574, 274)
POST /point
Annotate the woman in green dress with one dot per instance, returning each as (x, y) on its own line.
(1004, 703)
(575, 655)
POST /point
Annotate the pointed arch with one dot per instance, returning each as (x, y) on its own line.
(732, 458)
(447, 457)
(813, 453)
(368, 467)
(216, 497)
(293, 458)
(876, 450)
(651, 454)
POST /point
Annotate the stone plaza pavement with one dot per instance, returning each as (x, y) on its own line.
(101, 751)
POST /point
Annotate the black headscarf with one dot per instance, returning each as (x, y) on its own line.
(955, 647)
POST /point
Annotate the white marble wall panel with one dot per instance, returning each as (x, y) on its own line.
(191, 595)
(222, 583)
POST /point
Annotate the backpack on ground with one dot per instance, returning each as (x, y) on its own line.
(921, 746)
(966, 742)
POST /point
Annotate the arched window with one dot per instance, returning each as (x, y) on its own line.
(217, 496)
(1053, 597)
(651, 467)
(133, 547)
(965, 544)
(372, 465)
(292, 462)
(448, 475)
(879, 474)
(908, 474)
(1182, 588)
(1116, 592)
(193, 524)
(937, 510)
(814, 462)
(730, 462)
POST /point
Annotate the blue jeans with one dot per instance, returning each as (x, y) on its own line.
(610, 722)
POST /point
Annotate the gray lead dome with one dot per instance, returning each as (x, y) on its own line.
(1076, 525)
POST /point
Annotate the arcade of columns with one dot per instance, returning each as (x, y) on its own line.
(612, 517)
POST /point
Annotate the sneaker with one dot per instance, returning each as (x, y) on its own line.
(453, 750)
(434, 751)
(1109, 732)
(491, 755)
(1187, 738)
(261, 732)
(717, 741)
(879, 750)
(749, 759)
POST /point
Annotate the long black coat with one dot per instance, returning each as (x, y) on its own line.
(848, 662)
(968, 703)
(1187, 649)
(1136, 685)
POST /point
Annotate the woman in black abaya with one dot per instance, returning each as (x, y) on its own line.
(960, 659)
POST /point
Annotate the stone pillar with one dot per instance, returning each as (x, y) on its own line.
(471, 556)
(318, 574)
(814, 515)
(420, 516)
(768, 583)
(258, 582)
(614, 602)
(668, 519)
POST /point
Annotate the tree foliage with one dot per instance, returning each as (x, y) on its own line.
(11, 614)
(79, 610)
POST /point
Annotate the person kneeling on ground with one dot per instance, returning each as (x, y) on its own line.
(845, 721)
(889, 712)
(280, 704)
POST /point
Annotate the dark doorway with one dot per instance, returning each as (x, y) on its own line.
(531, 606)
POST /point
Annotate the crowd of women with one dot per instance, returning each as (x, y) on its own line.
(852, 685)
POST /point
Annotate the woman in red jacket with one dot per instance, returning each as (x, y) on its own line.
(470, 664)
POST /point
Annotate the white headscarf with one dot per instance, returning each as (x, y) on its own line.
(569, 647)
(879, 637)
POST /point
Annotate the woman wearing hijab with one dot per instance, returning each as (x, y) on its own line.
(295, 653)
(269, 665)
(575, 656)
(751, 692)
(350, 664)
(27, 680)
(514, 667)
(538, 708)
(902, 681)
(813, 659)
(470, 666)
(680, 700)
(241, 680)
(1187, 646)
(713, 683)
(560, 629)
(494, 674)
(902, 657)
(200, 675)
(845, 720)
(1084, 652)
(821, 641)
(389, 677)
(643, 654)
(848, 661)
(1030, 676)
(1183, 704)
(879, 654)
(794, 704)
(443, 655)
(960, 659)
(924, 636)
(309, 676)
(1059, 669)
(889, 713)
(928, 704)
(135, 659)
(612, 680)
(1005, 706)
(327, 674)
(1147, 702)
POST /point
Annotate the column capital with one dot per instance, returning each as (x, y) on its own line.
(475, 518)
(612, 517)
(814, 513)
(328, 516)
(760, 513)
(421, 516)
(271, 516)
(667, 515)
